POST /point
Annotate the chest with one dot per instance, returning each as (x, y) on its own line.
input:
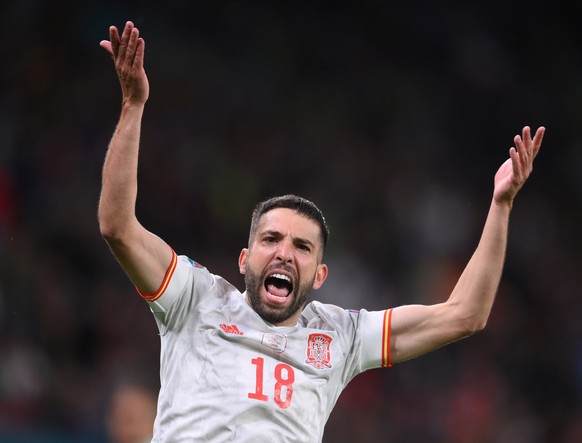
(229, 350)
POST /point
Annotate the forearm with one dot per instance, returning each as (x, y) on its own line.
(474, 294)
(144, 256)
(119, 183)
(418, 329)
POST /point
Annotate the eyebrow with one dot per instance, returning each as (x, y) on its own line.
(274, 233)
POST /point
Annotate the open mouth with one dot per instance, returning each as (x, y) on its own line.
(279, 285)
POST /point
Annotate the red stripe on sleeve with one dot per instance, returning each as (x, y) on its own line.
(386, 330)
(165, 281)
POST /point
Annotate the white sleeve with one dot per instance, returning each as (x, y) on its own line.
(365, 335)
(172, 286)
(374, 332)
(186, 285)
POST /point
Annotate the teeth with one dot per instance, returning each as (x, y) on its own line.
(281, 276)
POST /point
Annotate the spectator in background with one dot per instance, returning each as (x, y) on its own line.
(131, 414)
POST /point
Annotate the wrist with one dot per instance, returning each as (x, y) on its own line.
(505, 204)
(131, 103)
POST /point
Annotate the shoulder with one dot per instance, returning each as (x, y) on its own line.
(326, 316)
(347, 321)
(190, 284)
(198, 276)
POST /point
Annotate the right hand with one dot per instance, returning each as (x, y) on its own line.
(128, 55)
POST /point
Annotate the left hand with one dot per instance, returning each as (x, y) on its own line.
(515, 171)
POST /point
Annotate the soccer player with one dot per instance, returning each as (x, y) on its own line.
(265, 365)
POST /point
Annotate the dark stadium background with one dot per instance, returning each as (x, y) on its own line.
(392, 116)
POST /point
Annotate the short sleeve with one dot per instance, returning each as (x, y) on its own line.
(174, 281)
(365, 335)
(374, 331)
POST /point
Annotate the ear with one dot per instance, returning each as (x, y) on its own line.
(242, 260)
(320, 276)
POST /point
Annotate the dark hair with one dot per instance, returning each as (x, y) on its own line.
(299, 204)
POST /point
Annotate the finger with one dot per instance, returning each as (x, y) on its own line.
(520, 147)
(515, 163)
(526, 139)
(514, 157)
(139, 54)
(106, 44)
(537, 140)
(114, 38)
(526, 135)
(132, 47)
(124, 42)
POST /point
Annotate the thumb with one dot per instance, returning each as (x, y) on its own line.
(106, 44)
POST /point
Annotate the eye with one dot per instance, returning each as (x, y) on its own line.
(270, 239)
(304, 247)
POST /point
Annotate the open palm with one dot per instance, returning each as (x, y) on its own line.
(128, 54)
(515, 171)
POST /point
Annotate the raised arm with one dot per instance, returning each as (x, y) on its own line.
(418, 329)
(143, 256)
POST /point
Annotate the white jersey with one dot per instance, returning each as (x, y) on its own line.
(227, 375)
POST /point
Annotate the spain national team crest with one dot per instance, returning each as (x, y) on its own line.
(319, 351)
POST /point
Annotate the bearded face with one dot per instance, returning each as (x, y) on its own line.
(277, 284)
(282, 265)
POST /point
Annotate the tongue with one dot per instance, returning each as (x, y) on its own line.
(279, 292)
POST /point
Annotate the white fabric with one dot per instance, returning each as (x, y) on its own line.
(227, 375)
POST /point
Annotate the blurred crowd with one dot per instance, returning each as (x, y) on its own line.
(393, 118)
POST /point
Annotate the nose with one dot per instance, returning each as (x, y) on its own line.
(284, 252)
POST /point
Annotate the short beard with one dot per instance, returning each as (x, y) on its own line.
(253, 284)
